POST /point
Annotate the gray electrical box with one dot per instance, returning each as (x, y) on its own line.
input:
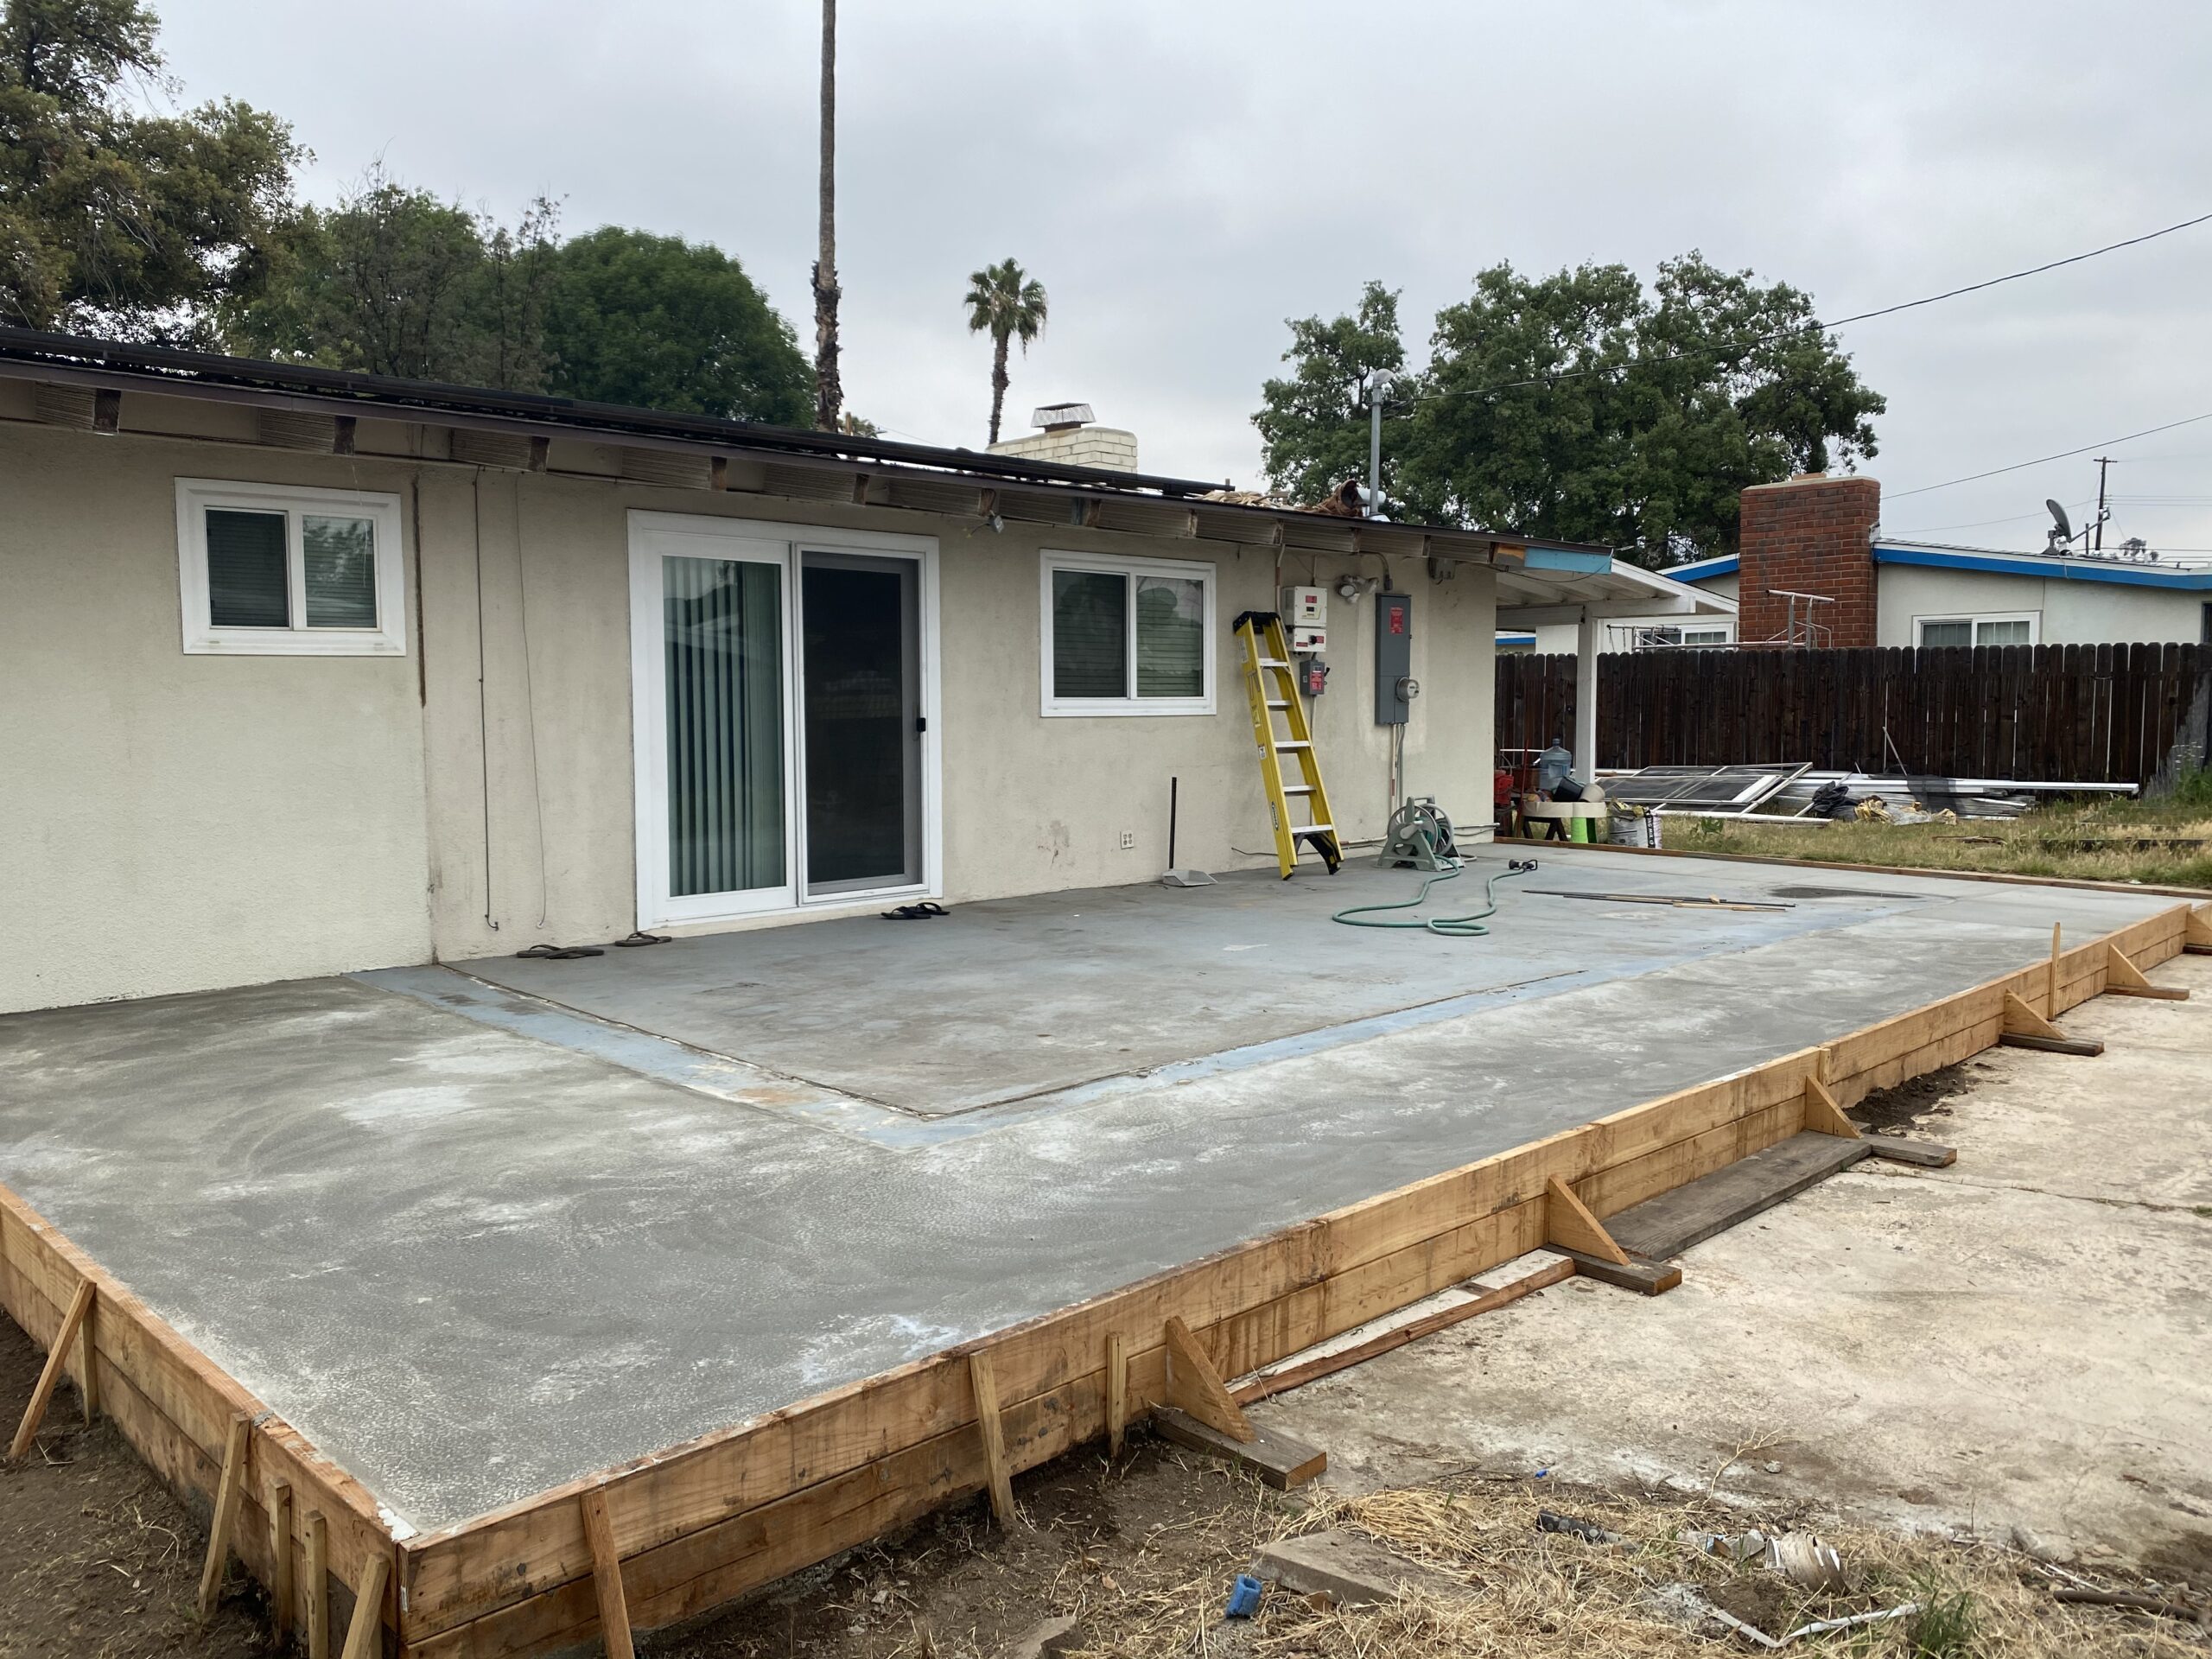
(1394, 687)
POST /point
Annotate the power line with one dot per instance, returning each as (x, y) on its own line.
(2064, 454)
(1747, 342)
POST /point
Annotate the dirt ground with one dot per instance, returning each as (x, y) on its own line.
(1428, 1446)
(97, 1559)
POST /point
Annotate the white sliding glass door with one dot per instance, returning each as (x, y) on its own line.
(710, 623)
(780, 690)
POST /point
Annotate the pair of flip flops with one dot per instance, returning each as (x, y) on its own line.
(571, 952)
(920, 912)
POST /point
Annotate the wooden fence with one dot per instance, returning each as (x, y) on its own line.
(2083, 713)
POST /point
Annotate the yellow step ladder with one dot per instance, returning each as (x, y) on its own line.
(1270, 683)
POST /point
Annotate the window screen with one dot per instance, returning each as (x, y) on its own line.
(339, 571)
(246, 586)
(1947, 633)
(1089, 633)
(2013, 632)
(1171, 637)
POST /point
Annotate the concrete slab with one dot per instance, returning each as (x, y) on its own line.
(2021, 1341)
(1013, 999)
(470, 1261)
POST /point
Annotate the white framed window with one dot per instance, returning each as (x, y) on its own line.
(1721, 633)
(1993, 628)
(1124, 636)
(267, 569)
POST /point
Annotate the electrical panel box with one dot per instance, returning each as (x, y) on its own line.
(1306, 616)
(1395, 685)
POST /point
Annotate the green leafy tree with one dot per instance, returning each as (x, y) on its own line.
(111, 220)
(393, 280)
(1007, 303)
(1581, 406)
(661, 324)
(1316, 426)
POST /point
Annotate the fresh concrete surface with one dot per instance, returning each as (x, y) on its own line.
(2020, 1340)
(470, 1264)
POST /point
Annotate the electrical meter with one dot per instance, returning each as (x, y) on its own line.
(1306, 616)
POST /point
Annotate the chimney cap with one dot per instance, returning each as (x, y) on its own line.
(1058, 417)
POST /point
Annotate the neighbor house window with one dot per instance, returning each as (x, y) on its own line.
(2017, 628)
(265, 569)
(1127, 636)
(1713, 636)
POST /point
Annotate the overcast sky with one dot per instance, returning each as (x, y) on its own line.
(1183, 176)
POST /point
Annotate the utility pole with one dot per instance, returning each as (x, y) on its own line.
(2103, 461)
(829, 395)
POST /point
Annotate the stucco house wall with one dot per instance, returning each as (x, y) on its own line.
(2070, 611)
(173, 821)
(187, 822)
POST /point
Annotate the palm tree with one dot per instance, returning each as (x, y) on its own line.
(1009, 303)
(828, 393)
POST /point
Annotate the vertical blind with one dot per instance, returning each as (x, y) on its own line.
(724, 636)
(1171, 637)
(339, 571)
(246, 576)
(1089, 635)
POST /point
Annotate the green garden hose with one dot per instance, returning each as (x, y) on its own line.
(1451, 927)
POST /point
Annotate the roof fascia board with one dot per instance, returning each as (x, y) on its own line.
(2130, 575)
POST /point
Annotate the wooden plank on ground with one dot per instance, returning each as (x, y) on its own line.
(1928, 1154)
(1647, 1278)
(1670, 1224)
(1281, 1460)
(2084, 1047)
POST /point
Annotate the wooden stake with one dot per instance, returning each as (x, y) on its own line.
(1193, 1384)
(365, 1636)
(1117, 1393)
(2124, 978)
(88, 1381)
(57, 1357)
(2050, 975)
(280, 1555)
(1568, 1222)
(318, 1586)
(1823, 1116)
(987, 1417)
(606, 1576)
(229, 1492)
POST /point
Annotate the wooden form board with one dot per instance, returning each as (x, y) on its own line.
(176, 1409)
(702, 1523)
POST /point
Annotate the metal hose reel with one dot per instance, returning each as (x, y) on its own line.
(1419, 837)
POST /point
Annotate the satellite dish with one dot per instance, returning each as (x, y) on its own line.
(2057, 512)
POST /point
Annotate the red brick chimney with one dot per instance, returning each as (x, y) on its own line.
(1812, 534)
